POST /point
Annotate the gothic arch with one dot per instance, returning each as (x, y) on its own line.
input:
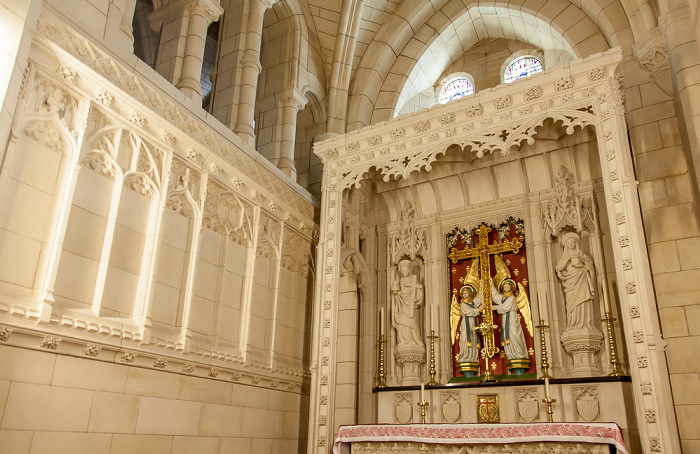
(372, 100)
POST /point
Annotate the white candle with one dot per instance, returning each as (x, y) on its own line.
(539, 304)
(381, 321)
(422, 392)
(546, 388)
(432, 317)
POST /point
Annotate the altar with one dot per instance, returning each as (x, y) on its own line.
(598, 438)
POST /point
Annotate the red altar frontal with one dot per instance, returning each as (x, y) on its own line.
(606, 436)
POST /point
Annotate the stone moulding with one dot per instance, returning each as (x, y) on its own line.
(131, 89)
(566, 98)
(214, 368)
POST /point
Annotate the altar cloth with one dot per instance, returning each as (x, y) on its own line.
(600, 433)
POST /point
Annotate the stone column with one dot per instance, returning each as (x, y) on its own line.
(183, 28)
(680, 52)
(125, 25)
(201, 14)
(289, 107)
(251, 69)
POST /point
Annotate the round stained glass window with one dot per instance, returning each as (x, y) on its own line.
(522, 67)
(456, 89)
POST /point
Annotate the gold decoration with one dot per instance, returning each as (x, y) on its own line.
(483, 250)
(487, 408)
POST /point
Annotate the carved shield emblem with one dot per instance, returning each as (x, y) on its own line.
(404, 412)
(588, 408)
(529, 410)
(450, 411)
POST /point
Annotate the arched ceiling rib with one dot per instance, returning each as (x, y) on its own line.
(416, 25)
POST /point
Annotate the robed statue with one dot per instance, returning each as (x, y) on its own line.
(575, 269)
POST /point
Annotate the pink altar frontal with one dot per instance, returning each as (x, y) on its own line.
(474, 434)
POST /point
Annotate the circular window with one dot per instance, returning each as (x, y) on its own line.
(455, 89)
(522, 67)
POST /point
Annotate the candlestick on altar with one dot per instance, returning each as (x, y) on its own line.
(616, 372)
(550, 412)
(433, 372)
(543, 342)
(381, 321)
(422, 403)
(382, 373)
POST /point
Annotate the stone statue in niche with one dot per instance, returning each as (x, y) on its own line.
(581, 339)
(407, 296)
(576, 272)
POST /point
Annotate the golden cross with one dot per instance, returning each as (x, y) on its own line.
(483, 250)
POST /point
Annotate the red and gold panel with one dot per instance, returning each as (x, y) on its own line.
(517, 265)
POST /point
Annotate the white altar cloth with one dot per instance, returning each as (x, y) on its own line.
(600, 433)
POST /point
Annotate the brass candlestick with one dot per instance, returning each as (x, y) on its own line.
(423, 404)
(543, 349)
(382, 374)
(550, 412)
(432, 338)
(616, 372)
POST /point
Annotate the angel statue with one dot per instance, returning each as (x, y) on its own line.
(506, 303)
(468, 309)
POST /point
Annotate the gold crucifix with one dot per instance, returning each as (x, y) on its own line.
(482, 251)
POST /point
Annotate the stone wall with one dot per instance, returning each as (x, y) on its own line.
(53, 403)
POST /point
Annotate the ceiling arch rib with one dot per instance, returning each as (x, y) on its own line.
(472, 26)
(385, 64)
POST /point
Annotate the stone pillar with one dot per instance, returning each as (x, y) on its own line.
(201, 14)
(125, 25)
(289, 107)
(682, 55)
(183, 28)
(251, 69)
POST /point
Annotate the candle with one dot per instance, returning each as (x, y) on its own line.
(539, 303)
(381, 321)
(432, 317)
(546, 388)
(422, 392)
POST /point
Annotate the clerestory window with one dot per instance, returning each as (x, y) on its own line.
(455, 89)
(522, 67)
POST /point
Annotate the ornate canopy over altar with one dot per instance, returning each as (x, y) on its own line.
(549, 157)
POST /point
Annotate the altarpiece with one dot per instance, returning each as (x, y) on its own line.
(568, 244)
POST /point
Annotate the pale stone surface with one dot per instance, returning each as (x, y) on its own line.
(79, 373)
(70, 442)
(127, 444)
(221, 421)
(113, 413)
(14, 368)
(152, 383)
(16, 441)
(40, 407)
(167, 417)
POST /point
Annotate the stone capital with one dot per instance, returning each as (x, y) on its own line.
(651, 52)
(209, 9)
(292, 99)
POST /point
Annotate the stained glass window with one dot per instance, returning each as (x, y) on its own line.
(456, 89)
(522, 67)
